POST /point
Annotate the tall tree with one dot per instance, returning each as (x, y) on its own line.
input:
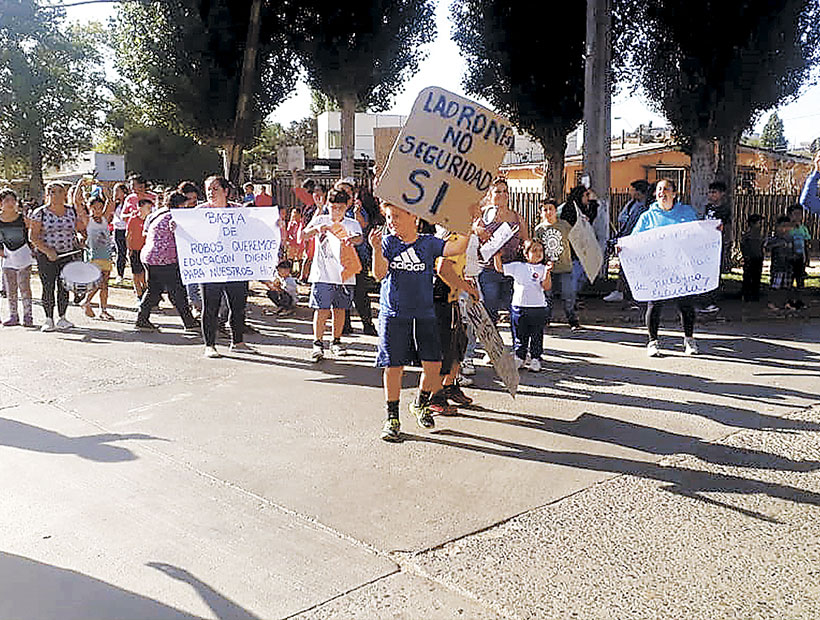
(185, 59)
(712, 66)
(773, 135)
(302, 133)
(51, 84)
(359, 53)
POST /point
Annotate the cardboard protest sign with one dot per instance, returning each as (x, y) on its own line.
(445, 158)
(672, 261)
(501, 235)
(383, 140)
(585, 243)
(487, 334)
(227, 245)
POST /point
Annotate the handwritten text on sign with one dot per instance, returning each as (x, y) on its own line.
(500, 355)
(445, 158)
(227, 245)
(672, 261)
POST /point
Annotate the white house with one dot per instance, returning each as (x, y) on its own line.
(104, 166)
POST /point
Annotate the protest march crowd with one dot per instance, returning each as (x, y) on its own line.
(429, 276)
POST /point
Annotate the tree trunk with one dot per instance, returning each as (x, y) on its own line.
(242, 120)
(726, 169)
(554, 146)
(36, 184)
(702, 172)
(348, 104)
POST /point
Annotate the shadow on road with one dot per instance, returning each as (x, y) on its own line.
(15, 434)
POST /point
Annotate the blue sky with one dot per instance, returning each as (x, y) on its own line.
(444, 67)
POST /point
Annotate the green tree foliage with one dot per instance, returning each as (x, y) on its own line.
(163, 156)
(184, 61)
(773, 136)
(51, 87)
(530, 73)
(359, 53)
(712, 66)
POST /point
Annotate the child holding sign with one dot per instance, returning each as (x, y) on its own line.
(332, 279)
(405, 261)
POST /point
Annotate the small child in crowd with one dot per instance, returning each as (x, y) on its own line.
(283, 292)
(801, 237)
(405, 261)
(135, 241)
(295, 243)
(751, 246)
(781, 246)
(331, 291)
(531, 280)
(99, 248)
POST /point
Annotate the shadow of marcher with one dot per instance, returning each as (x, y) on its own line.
(32, 590)
(223, 607)
(680, 480)
(651, 440)
(15, 434)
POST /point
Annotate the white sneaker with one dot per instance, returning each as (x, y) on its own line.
(318, 353)
(614, 296)
(519, 363)
(64, 323)
(690, 347)
(534, 365)
(338, 349)
(48, 326)
(467, 368)
(709, 309)
(487, 359)
(211, 352)
(118, 281)
(464, 380)
(652, 349)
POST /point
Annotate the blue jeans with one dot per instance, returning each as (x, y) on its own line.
(194, 297)
(565, 283)
(497, 290)
(528, 331)
(579, 275)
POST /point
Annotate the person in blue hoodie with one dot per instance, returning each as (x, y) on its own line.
(809, 198)
(666, 210)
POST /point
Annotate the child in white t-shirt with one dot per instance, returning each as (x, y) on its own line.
(529, 307)
(283, 292)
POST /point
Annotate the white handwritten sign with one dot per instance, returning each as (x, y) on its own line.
(445, 158)
(501, 235)
(227, 245)
(487, 334)
(585, 243)
(672, 261)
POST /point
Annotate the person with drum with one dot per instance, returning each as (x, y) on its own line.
(98, 213)
(217, 189)
(17, 259)
(53, 233)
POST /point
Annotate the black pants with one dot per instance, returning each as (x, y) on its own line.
(361, 300)
(122, 251)
(165, 278)
(50, 278)
(686, 307)
(799, 271)
(236, 294)
(281, 299)
(752, 271)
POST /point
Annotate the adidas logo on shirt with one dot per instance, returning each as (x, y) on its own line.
(407, 261)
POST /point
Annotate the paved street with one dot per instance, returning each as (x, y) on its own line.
(143, 481)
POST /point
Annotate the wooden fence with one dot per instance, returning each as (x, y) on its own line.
(769, 206)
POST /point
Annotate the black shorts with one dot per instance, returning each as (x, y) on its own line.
(452, 335)
(136, 263)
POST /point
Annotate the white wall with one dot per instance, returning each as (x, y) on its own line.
(363, 142)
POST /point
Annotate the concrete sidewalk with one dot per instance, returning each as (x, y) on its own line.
(143, 481)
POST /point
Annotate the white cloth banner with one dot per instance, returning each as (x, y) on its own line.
(672, 261)
(227, 245)
(501, 235)
(585, 243)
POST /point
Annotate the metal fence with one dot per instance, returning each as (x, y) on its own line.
(769, 206)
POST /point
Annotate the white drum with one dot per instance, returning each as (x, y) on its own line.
(80, 278)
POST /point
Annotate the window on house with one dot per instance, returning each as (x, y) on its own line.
(334, 139)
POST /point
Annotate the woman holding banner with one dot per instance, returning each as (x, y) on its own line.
(496, 288)
(216, 191)
(664, 212)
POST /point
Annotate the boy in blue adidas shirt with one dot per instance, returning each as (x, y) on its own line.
(405, 261)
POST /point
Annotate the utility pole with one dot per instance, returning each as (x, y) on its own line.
(597, 110)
